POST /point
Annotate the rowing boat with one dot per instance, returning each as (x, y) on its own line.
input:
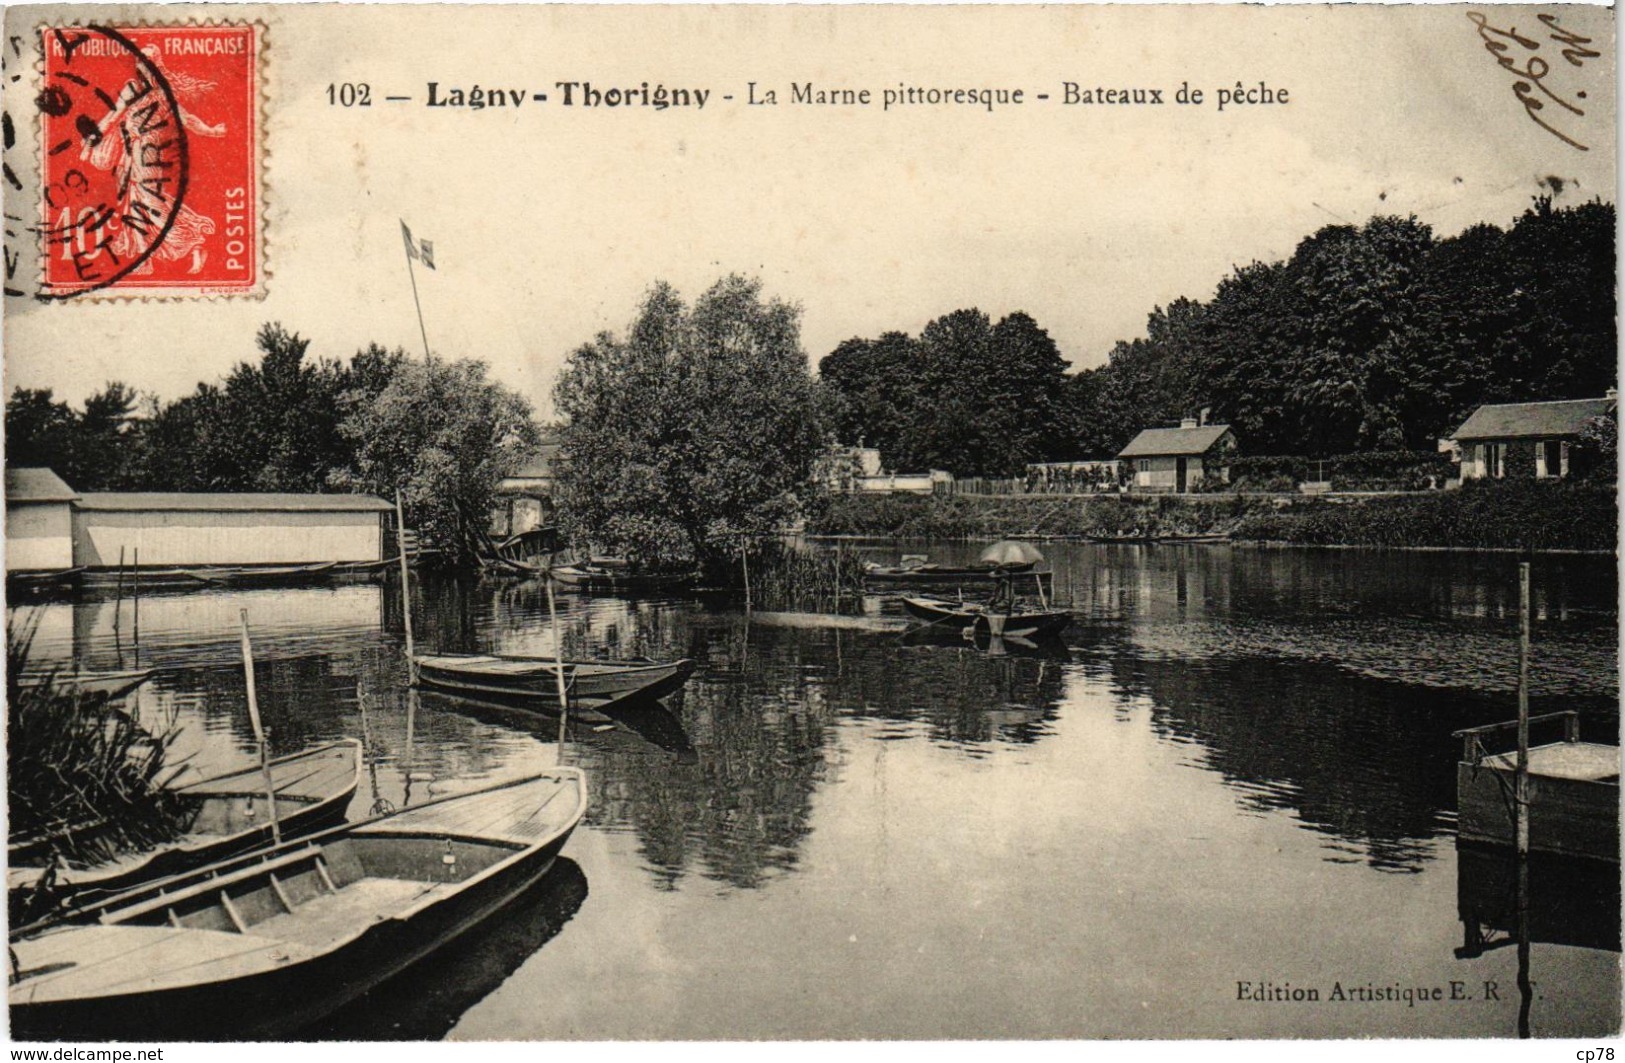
(110, 684)
(224, 815)
(267, 576)
(537, 677)
(966, 615)
(614, 577)
(264, 945)
(929, 572)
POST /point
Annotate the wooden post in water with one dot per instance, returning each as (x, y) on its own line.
(744, 564)
(118, 591)
(558, 663)
(260, 734)
(135, 602)
(406, 587)
(1521, 782)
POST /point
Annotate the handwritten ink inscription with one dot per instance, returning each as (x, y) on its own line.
(1511, 47)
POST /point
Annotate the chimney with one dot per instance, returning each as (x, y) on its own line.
(1205, 411)
(1611, 394)
(1189, 422)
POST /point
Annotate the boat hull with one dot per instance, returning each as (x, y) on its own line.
(611, 580)
(590, 681)
(954, 616)
(276, 1004)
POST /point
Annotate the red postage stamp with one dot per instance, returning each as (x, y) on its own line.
(151, 161)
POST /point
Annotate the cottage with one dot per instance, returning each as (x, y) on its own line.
(1527, 438)
(173, 528)
(1175, 459)
(39, 521)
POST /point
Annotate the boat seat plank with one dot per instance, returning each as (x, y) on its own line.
(1565, 760)
(252, 870)
(326, 920)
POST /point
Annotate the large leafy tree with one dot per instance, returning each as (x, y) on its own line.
(967, 395)
(699, 425)
(442, 434)
(1373, 337)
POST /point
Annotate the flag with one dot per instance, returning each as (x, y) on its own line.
(422, 250)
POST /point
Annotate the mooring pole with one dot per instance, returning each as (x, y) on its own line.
(558, 673)
(261, 735)
(406, 586)
(118, 591)
(135, 603)
(1521, 784)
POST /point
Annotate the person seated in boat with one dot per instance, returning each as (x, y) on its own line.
(1004, 595)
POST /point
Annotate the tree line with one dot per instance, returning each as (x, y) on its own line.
(1378, 337)
(440, 432)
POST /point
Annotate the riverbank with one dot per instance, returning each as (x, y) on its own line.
(1523, 516)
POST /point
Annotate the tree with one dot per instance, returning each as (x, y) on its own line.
(39, 430)
(441, 433)
(699, 426)
(969, 396)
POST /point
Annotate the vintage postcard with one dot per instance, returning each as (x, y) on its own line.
(811, 523)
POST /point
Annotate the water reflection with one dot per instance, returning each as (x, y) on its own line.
(426, 1000)
(1304, 698)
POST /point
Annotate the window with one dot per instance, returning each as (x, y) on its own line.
(1549, 458)
(1144, 465)
(1495, 460)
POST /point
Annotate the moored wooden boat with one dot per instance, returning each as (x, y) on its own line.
(225, 815)
(595, 575)
(1573, 792)
(967, 615)
(537, 677)
(264, 576)
(263, 945)
(112, 684)
(929, 572)
(44, 581)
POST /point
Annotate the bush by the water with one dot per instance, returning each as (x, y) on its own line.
(1512, 515)
(1520, 515)
(83, 778)
(995, 517)
(1392, 470)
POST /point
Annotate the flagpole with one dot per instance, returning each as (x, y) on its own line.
(410, 272)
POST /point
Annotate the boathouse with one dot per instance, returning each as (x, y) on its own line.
(1522, 439)
(174, 528)
(39, 521)
(1176, 459)
(523, 500)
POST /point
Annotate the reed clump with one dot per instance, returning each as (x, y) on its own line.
(785, 577)
(84, 778)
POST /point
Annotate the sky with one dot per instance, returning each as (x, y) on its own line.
(550, 222)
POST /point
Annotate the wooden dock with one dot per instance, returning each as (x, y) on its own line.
(1573, 792)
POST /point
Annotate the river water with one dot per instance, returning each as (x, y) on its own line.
(1233, 780)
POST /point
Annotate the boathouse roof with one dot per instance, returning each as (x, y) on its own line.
(37, 485)
(1173, 442)
(1527, 420)
(203, 501)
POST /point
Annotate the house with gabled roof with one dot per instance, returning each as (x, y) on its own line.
(1527, 438)
(1176, 459)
